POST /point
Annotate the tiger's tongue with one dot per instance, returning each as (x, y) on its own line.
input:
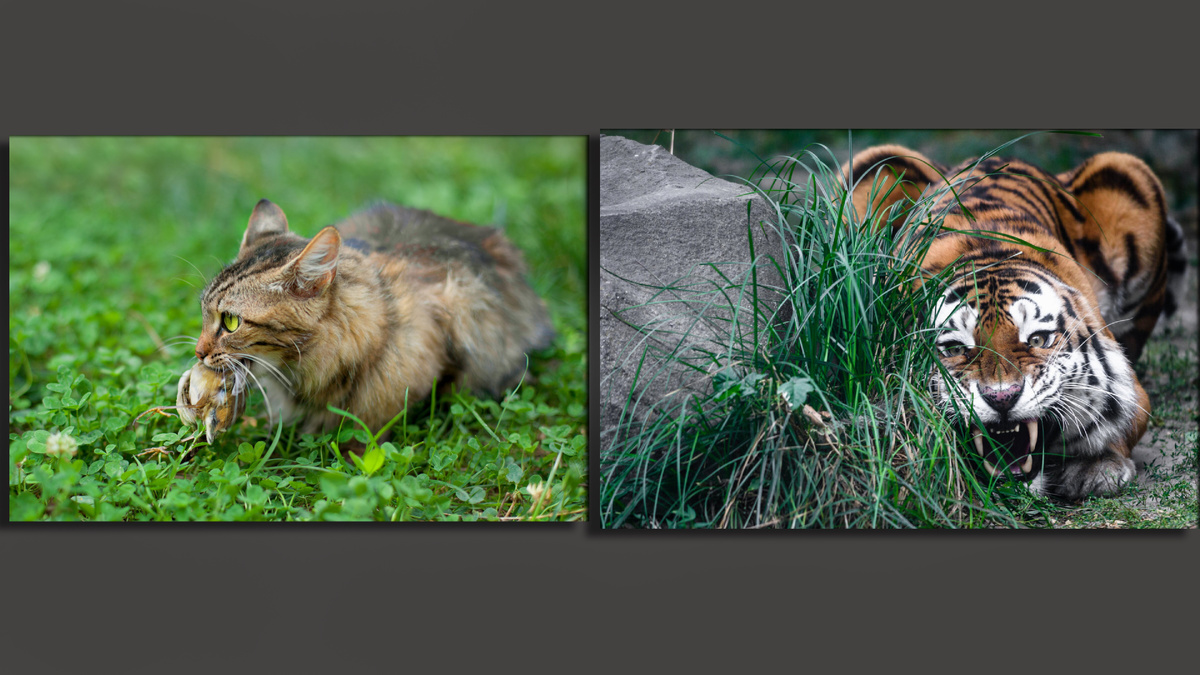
(1010, 444)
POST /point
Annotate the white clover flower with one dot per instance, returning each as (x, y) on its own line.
(535, 490)
(61, 445)
(41, 271)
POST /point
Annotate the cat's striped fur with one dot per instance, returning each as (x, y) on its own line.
(367, 314)
(1058, 281)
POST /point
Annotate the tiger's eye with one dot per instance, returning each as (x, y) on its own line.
(230, 322)
(1039, 340)
(954, 350)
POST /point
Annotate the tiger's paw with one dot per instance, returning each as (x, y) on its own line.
(1082, 477)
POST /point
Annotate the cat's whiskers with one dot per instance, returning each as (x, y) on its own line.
(176, 340)
(270, 368)
(242, 370)
(239, 379)
(193, 267)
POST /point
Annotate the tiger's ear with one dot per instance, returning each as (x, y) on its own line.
(266, 220)
(316, 266)
(885, 175)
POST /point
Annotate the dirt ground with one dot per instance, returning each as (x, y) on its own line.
(1176, 415)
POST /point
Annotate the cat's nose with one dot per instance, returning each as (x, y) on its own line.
(204, 345)
(1001, 396)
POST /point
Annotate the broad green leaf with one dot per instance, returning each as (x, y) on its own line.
(373, 460)
(795, 391)
(514, 473)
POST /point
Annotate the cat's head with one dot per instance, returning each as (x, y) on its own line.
(266, 304)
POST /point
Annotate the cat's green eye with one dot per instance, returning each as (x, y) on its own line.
(230, 322)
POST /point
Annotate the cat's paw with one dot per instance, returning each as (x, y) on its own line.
(213, 398)
(1077, 478)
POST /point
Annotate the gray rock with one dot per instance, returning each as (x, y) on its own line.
(661, 221)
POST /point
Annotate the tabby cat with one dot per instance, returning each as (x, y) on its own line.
(365, 316)
(1056, 283)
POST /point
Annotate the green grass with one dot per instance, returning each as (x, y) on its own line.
(818, 414)
(110, 241)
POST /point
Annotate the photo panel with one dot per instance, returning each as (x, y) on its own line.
(298, 328)
(897, 329)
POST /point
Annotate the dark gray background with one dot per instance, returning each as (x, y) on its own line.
(193, 598)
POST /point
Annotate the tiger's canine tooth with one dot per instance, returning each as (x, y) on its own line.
(991, 469)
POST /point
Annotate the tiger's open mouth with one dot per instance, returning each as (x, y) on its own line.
(1007, 449)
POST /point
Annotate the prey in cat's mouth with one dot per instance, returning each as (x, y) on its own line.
(208, 399)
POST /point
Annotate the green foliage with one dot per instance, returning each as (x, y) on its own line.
(111, 240)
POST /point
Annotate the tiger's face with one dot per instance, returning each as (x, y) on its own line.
(1067, 276)
(1028, 356)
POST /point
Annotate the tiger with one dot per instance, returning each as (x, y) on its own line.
(1052, 285)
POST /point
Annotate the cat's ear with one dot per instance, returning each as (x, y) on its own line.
(266, 220)
(315, 268)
